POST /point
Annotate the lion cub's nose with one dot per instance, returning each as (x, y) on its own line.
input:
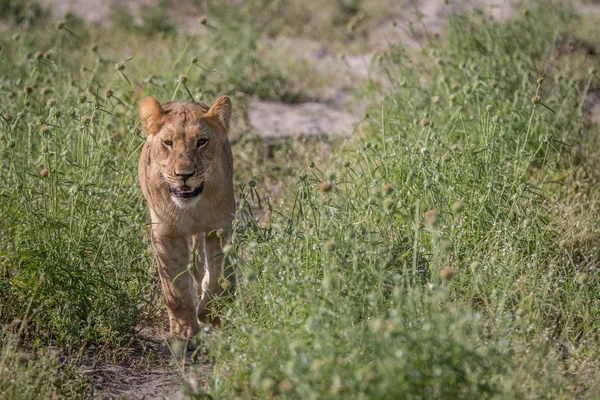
(184, 174)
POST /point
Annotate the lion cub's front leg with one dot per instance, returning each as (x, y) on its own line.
(219, 279)
(172, 257)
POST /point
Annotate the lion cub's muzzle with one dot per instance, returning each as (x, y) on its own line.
(187, 192)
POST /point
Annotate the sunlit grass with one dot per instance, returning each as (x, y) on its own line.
(431, 260)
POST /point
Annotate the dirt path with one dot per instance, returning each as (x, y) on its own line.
(342, 113)
(150, 371)
(146, 373)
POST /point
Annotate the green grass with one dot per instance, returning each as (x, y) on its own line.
(450, 250)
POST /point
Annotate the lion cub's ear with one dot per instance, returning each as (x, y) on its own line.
(151, 115)
(220, 112)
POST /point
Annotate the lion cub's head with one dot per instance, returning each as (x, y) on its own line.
(185, 138)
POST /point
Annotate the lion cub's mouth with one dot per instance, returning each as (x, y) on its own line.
(186, 192)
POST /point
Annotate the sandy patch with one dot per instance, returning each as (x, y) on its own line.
(272, 119)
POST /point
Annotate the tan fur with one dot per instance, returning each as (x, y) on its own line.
(178, 222)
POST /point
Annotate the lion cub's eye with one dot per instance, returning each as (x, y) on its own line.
(168, 143)
(201, 143)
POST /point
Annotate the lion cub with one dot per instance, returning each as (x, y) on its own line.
(186, 174)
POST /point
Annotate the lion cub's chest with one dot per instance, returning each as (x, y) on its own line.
(201, 218)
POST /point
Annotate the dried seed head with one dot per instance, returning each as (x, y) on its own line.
(457, 207)
(22, 359)
(119, 66)
(285, 385)
(388, 204)
(535, 100)
(432, 218)
(60, 24)
(446, 273)
(326, 186)
(43, 173)
(446, 245)
(28, 89)
(82, 98)
(425, 121)
(267, 383)
(182, 78)
(108, 92)
(388, 188)
(38, 55)
(203, 20)
(46, 90)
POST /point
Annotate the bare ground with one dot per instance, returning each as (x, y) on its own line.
(146, 373)
(152, 370)
(339, 114)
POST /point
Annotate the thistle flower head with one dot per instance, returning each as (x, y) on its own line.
(326, 186)
(432, 218)
(446, 273)
(457, 207)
